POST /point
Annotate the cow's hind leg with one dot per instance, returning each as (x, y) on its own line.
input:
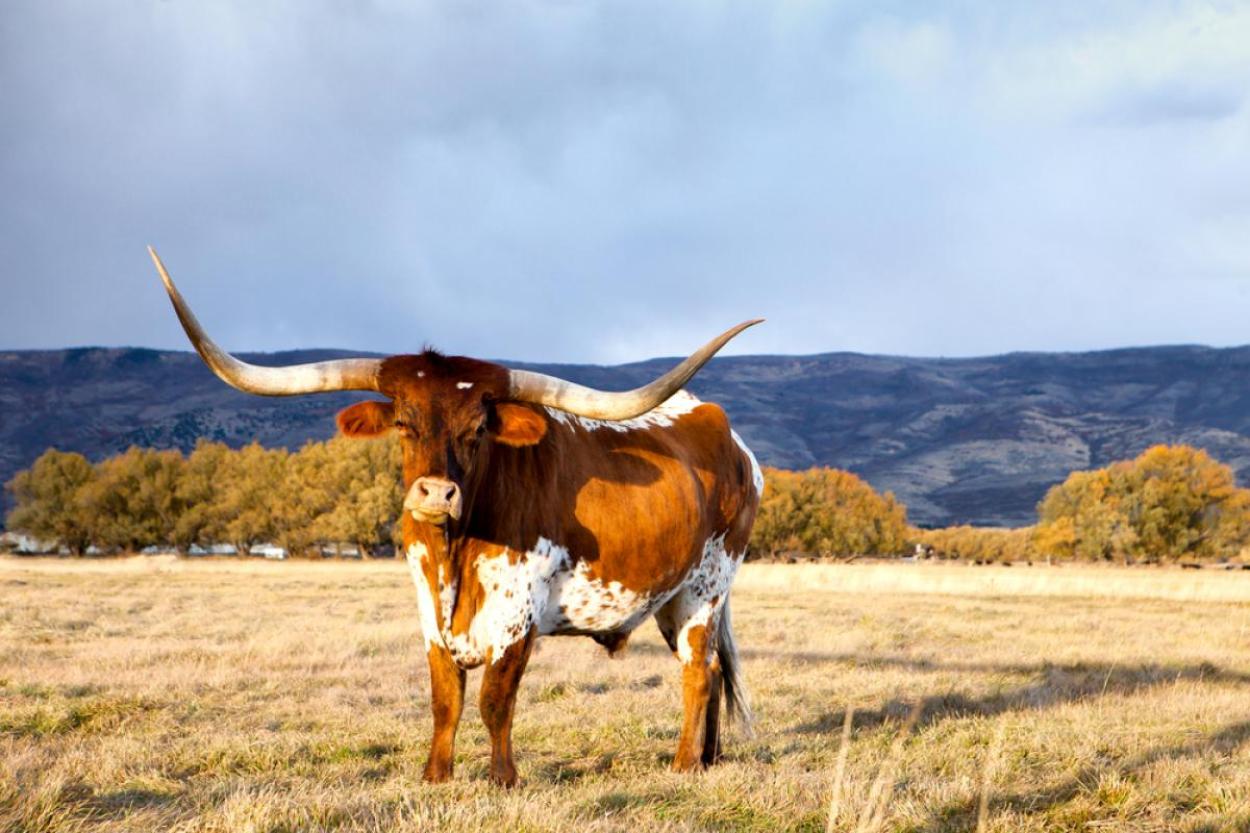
(500, 682)
(711, 730)
(689, 625)
(446, 701)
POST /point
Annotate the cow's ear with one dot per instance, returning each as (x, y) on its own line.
(366, 419)
(518, 426)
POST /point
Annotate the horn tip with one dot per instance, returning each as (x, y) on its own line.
(160, 268)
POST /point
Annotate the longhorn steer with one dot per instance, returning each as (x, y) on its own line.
(535, 506)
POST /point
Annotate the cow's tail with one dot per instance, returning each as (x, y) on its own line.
(737, 702)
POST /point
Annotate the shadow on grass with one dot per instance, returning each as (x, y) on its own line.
(121, 802)
(963, 815)
(572, 771)
(1052, 684)
(1205, 670)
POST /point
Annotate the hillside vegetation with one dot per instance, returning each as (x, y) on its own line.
(1171, 504)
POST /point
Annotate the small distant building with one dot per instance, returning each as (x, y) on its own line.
(269, 551)
(24, 544)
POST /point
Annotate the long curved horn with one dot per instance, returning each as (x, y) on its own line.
(540, 389)
(319, 377)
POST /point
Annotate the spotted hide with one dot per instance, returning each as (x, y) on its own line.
(538, 507)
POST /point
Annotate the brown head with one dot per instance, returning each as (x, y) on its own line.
(449, 410)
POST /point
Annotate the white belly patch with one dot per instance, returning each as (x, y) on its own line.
(580, 603)
(539, 588)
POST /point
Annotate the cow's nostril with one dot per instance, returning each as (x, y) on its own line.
(436, 491)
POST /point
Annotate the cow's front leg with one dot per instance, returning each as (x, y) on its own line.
(446, 701)
(500, 682)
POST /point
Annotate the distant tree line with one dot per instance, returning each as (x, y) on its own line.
(979, 544)
(1172, 503)
(326, 494)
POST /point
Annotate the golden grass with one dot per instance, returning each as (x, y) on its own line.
(245, 696)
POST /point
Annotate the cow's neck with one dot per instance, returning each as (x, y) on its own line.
(511, 500)
(443, 548)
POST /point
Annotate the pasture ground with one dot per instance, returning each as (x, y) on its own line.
(157, 694)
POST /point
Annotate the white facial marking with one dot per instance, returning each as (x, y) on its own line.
(464, 385)
(757, 476)
(661, 416)
(426, 610)
(420, 374)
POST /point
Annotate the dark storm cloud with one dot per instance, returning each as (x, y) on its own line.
(600, 182)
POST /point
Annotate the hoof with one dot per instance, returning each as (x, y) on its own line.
(690, 765)
(503, 776)
(436, 774)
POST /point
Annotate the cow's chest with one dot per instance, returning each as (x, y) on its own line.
(541, 588)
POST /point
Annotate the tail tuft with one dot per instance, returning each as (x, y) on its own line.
(737, 701)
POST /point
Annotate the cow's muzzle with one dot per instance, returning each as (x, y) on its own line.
(434, 500)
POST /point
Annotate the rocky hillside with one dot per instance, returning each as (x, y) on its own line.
(958, 440)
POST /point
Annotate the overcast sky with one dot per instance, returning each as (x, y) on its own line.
(580, 181)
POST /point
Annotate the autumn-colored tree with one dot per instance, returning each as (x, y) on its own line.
(200, 493)
(1179, 502)
(1171, 503)
(1056, 539)
(367, 494)
(305, 492)
(247, 495)
(826, 512)
(133, 501)
(49, 500)
(1097, 525)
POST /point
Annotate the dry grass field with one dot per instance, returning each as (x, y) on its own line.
(155, 694)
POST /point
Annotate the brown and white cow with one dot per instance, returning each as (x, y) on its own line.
(536, 506)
